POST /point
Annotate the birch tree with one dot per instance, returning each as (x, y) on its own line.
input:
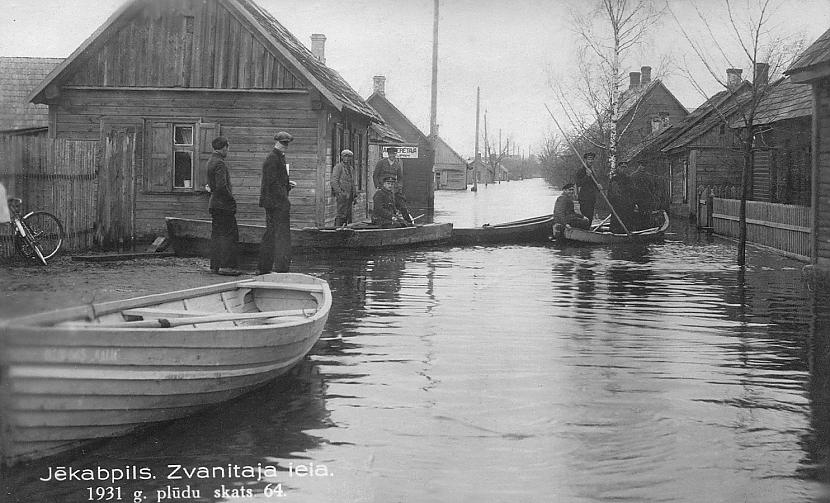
(608, 31)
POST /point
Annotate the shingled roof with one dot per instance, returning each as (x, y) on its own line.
(785, 100)
(328, 77)
(18, 76)
(815, 60)
(708, 115)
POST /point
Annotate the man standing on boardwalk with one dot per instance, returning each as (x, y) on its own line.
(344, 187)
(224, 234)
(275, 250)
(391, 167)
(586, 187)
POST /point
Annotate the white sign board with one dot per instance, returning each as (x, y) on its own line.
(404, 152)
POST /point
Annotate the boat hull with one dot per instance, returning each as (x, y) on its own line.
(191, 237)
(531, 230)
(72, 376)
(570, 234)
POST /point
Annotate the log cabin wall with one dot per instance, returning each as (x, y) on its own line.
(175, 74)
(248, 120)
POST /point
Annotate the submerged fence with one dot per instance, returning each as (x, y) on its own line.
(783, 227)
(58, 176)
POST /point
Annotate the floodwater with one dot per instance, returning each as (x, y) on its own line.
(518, 374)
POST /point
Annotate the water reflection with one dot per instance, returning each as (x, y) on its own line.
(538, 373)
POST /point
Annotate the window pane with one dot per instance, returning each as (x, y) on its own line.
(183, 170)
(183, 135)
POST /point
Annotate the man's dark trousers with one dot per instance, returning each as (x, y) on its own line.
(276, 243)
(224, 237)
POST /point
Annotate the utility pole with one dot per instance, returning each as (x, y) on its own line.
(476, 156)
(433, 115)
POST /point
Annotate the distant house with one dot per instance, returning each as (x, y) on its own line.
(482, 172)
(704, 150)
(813, 67)
(159, 80)
(18, 77)
(781, 153)
(450, 168)
(417, 168)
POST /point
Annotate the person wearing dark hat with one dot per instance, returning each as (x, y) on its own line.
(564, 213)
(620, 196)
(586, 187)
(224, 233)
(275, 250)
(386, 213)
(344, 186)
(391, 166)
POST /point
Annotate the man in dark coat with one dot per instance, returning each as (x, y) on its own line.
(563, 210)
(224, 234)
(344, 186)
(586, 187)
(391, 166)
(275, 250)
(620, 195)
(385, 213)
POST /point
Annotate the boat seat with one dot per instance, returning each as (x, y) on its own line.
(271, 285)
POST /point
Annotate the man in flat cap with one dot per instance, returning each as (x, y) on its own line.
(275, 250)
(391, 166)
(586, 187)
(344, 186)
(564, 213)
(386, 213)
(224, 234)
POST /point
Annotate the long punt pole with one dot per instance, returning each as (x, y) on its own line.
(589, 171)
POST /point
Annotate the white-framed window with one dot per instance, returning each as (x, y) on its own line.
(176, 154)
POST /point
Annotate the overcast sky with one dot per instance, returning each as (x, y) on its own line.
(510, 48)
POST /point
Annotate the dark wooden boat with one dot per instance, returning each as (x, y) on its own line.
(604, 236)
(530, 230)
(191, 237)
(100, 370)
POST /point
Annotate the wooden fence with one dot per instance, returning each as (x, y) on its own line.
(783, 227)
(58, 176)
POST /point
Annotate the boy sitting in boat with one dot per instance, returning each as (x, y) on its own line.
(386, 213)
(564, 213)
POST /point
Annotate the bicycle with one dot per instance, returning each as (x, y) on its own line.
(37, 235)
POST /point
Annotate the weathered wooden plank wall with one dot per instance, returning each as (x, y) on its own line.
(58, 176)
(783, 227)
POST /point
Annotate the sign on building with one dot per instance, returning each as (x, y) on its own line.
(403, 152)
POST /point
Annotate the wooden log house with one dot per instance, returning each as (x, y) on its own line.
(813, 67)
(159, 80)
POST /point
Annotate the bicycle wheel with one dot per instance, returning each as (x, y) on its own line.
(46, 232)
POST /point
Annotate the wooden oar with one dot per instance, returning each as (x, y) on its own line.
(198, 320)
(604, 220)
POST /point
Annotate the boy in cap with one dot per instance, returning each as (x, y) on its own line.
(564, 213)
(344, 187)
(391, 166)
(275, 250)
(587, 188)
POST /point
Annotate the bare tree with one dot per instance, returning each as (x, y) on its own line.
(609, 31)
(746, 37)
(493, 156)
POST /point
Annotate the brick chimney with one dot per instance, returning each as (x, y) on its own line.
(379, 84)
(634, 80)
(645, 75)
(733, 78)
(318, 47)
(761, 74)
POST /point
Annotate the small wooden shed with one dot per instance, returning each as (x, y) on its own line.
(450, 168)
(159, 80)
(813, 67)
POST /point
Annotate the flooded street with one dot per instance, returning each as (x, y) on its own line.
(515, 374)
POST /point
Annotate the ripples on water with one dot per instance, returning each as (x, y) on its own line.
(533, 373)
